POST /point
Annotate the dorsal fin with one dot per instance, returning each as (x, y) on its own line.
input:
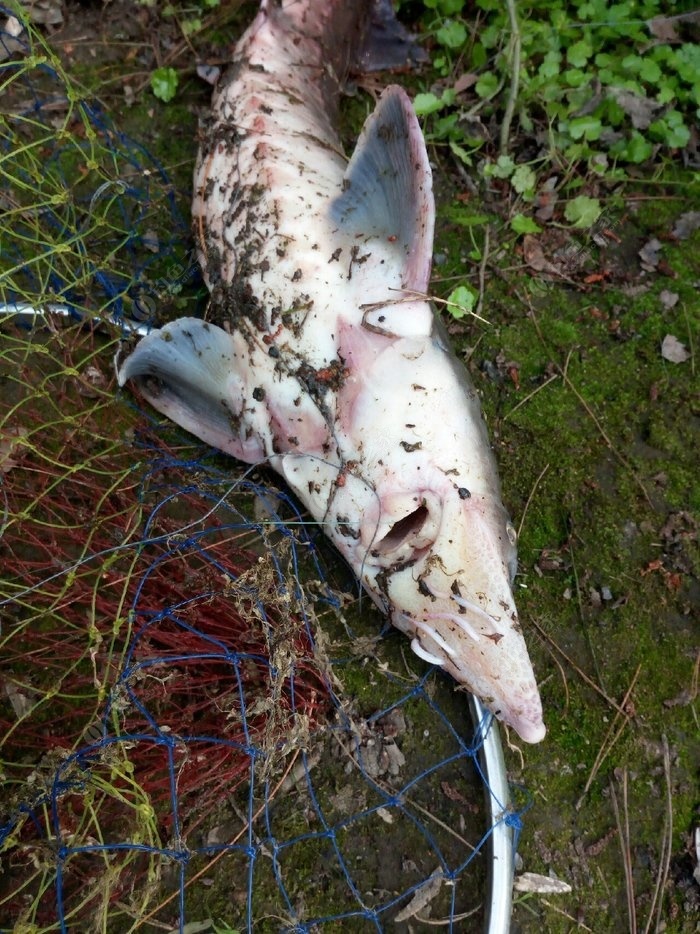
(387, 188)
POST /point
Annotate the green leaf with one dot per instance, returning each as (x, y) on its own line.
(479, 56)
(583, 211)
(576, 78)
(521, 224)
(491, 35)
(460, 153)
(588, 128)
(191, 26)
(445, 125)
(632, 63)
(579, 53)
(524, 180)
(487, 85)
(670, 130)
(452, 34)
(427, 103)
(650, 71)
(461, 301)
(502, 168)
(550, 65)
(450, 7)
(638, 149)
(164, 83)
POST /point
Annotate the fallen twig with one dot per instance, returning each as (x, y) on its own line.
(515, 41)
(623, 831)
(605, 745)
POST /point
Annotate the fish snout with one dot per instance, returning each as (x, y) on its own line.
(475, 639)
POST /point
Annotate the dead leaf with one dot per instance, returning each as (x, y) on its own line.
(10, 443)
(639, 109)
(452, 793)
(668, 299)
(649, 254)
(21, 704)
(540, 885)
(673, 351)
(464, 82)
(421, 897)
(533, 254)
(150, 240)
(209, 73)
(45, 12)
(663, 28)
(686, 224)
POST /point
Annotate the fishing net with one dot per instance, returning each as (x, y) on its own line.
(202, 726)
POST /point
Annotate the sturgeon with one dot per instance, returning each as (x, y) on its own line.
(323, 356)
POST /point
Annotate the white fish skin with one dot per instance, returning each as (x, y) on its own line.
(330, 366)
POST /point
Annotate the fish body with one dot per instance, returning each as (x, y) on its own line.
(330, 365)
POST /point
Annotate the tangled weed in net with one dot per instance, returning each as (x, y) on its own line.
(89, 219)
(107, 633)
(194, 727)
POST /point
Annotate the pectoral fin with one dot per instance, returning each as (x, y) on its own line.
(189, 371)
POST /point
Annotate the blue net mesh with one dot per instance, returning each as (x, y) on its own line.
(202, 726)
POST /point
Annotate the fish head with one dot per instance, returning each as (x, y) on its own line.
(442, 561)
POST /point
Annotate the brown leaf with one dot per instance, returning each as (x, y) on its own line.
(464, 82)
(663, 28)
(10, 443)
(452, 793)
(640, 110)
(533, 254)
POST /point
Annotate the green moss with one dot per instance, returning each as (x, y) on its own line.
(615, 438)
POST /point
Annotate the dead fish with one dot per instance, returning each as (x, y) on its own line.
(330, 365)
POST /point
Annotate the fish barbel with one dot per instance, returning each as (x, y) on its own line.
(330, 364)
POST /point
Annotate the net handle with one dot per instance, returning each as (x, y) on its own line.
(499, 900)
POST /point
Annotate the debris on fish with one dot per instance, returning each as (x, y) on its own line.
(329, 364)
